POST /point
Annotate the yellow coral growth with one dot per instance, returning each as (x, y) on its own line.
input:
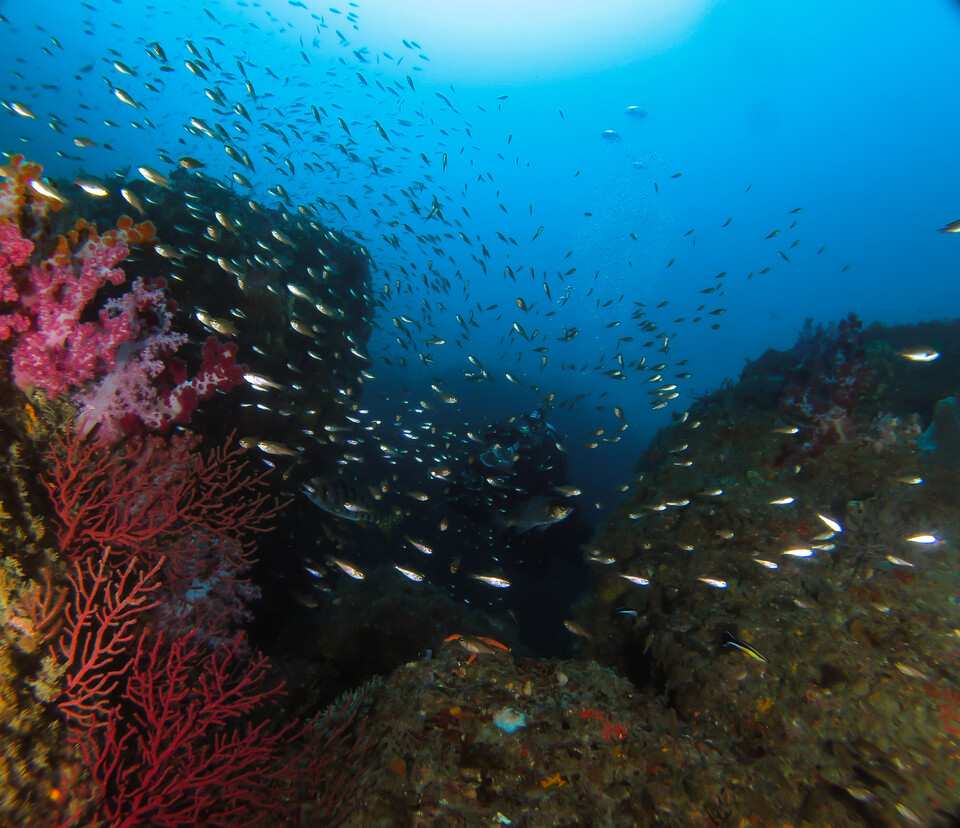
(612, 590)
(16, 189)
(61, 254)
(31, 741)
(17, 196)
(132, 233)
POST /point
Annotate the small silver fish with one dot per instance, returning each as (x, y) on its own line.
(920, 353)
(154, 177)
(420, 546)
(577, 629)
(347, 568)
(408, 573)
(492, 580)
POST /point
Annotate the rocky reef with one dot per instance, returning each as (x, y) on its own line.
(770, 636)
(801, 610)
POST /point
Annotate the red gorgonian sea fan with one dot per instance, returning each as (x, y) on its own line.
(179, 747)
(104, 621)
(156, 498)
(171, 710)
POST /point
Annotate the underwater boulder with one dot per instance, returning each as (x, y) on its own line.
(941, 440)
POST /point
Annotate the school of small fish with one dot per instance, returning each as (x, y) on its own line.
(334, 137)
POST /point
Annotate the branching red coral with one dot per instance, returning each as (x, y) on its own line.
(832, 376)
(174, 728)
(102, 624)
(179, 748)
(103, 498)
(179, 751)
(157, 499)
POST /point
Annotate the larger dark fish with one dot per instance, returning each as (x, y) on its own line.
(536, 513)
(340, 498)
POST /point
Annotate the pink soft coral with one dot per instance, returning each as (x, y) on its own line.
(128, 395)
(121, 364)
(14, 252)
(58, 351)
(149, 390)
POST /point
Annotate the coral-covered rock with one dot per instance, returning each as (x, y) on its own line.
(786, 617)
(120, 365)
(941, 441)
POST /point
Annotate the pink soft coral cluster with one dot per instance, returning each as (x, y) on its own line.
(14, 251)
(56, 351)
(829, 381)
(147, 388)
(888, 431)
(121, 364)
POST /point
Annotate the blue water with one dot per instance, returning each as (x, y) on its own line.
(846, 112)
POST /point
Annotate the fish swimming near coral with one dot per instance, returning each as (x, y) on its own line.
(341, 498)
(536, 513)
(348, 500)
